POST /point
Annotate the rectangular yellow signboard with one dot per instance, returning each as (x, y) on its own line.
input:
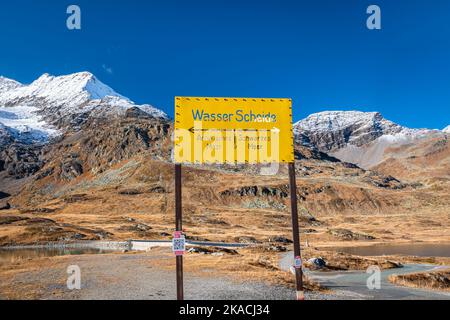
(233, 130)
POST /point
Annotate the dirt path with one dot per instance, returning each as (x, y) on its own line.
(130, 276)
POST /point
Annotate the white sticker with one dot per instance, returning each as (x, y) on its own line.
(178, 244)
(298, 262)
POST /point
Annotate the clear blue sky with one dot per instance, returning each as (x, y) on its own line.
(319, 53)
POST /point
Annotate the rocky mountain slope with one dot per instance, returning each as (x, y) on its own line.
(368, 139)
(332, 130)
(34, 117)
(104, 171)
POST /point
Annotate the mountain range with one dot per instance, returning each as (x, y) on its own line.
(51, 106)
(81, 156)
(371, 141)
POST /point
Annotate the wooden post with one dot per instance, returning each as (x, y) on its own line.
(178, 227)
(295, 231)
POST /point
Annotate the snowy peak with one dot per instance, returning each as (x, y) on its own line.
(51, 105)
(363, 138)
(331, 130)
(446, 129)
(340, 120)
(73, 84)
(8, 84)
(69, 90)
(67, 95)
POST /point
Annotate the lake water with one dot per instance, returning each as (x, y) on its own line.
(8, 254)
(410, 249)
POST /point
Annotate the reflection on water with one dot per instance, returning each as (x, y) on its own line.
(20, 254)
(410, 249)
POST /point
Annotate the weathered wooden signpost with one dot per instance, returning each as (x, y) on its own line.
(232, 131)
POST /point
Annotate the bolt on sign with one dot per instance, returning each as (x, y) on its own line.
(233, 130)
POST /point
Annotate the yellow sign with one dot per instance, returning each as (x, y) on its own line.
(233, 130)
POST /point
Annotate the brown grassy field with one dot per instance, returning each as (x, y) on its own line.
(136, 201)
(339, 206)
(436, 280)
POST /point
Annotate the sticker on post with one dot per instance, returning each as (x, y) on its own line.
(178, 243)
(297, 262)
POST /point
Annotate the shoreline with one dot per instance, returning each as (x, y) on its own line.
(131, 245)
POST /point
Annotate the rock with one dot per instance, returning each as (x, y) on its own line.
(276, 248)
(136, 113)
(246, 239)
(266, 263)
(21, 160)
(346, 234)
(4, 195)
(11, 219)
(102, 234)
(142, 227)
(37, 210)
(72, 198)
(226, 250)
(388, 182)
(200, 250)
(263, 191)
(212, 250)
(157, 189)
(78, 236)
(280, 239)
(44, 173)
(5, 206)
(316, 263)
(196, 238)
(40, 220)
(394, 264)
(130, 192)
(71, 169)
(217, 254)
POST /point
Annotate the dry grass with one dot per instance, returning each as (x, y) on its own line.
(111, 204)
(251, 264)
(435, 280)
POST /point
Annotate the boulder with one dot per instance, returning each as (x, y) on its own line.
(280, 239)
(5, 206)
(316, 263)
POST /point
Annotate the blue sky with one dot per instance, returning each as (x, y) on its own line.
(319, 53)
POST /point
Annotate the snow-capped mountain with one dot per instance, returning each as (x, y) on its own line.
(355, 136)
(68, 92)
(446, 129)
(8, 84)
(331, 130)
(52, 104)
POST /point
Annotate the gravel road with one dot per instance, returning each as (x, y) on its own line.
(133, 276)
